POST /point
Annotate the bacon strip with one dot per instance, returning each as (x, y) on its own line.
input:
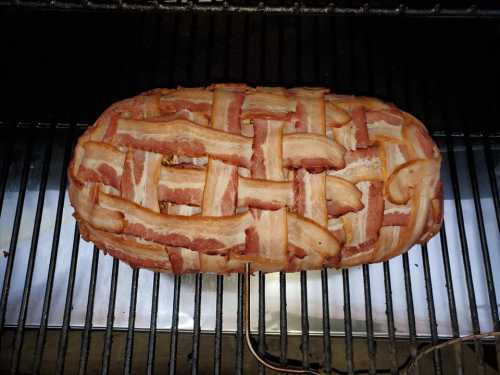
(435, 217)
(342, 197)
(361, 228)
(309, 191)
(336, 227)
(418, 139)
(396, 214)
(101, 162)
(267, 152)
(384, 125)
(335, 116)
(226, 110)
(361, 165)
(191, 99)
(185, 186)
(310, 113)
(266, 248)
(354, 134)
(183, 260)
(403, 181)
(307, 235)
(181, 185)
(266, 105)
(199, 118)
(350, 102)
(264, 194)
(219, 196)
(312, 151)
(394, 155)
(141, 175)
(84, 200)
(130, 249)
(184, 138)
(206, 234)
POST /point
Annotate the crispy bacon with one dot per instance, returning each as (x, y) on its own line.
(361, 165)
(141, 175)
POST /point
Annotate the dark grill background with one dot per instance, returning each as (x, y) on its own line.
(59, 70)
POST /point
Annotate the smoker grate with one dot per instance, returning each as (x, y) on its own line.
(56, 286)
(286, 7)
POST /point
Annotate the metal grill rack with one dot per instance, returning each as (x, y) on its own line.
(65, 307)
(286, 7)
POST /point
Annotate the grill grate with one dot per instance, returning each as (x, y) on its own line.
(378, 308)
(284, 7)
(461, 151)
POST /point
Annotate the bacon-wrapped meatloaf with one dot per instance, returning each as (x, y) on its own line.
(207, 179)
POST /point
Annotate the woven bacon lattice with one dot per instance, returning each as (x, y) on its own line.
(207, 179)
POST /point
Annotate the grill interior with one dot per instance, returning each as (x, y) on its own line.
(67, 308)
